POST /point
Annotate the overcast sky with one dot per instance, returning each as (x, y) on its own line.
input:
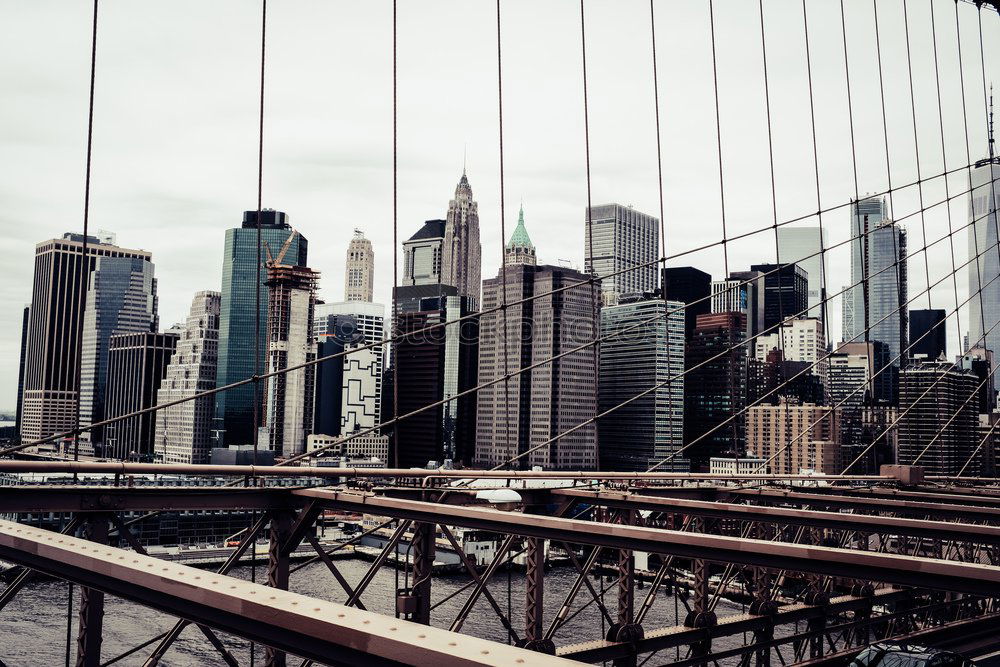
(175, 130)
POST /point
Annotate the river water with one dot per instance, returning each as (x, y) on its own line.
(33, 625)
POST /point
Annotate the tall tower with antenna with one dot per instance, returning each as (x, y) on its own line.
(984, 259)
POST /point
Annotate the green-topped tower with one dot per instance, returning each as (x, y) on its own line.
(519, 249)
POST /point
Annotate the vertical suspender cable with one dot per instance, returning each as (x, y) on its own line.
(395, 241)
(503, 259)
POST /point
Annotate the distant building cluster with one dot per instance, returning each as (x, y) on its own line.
(623, 366)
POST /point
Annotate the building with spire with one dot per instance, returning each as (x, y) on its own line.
(359, 276)
(984, 260)
(461, 251)
(519, 250)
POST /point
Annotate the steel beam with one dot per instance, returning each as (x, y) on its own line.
(63, 498)
(316, 629)
(91, 630)
(908, 571)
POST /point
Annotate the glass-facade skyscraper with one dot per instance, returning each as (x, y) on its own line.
(802, 245)
(233, 424)
(984, 256)
(623, 251)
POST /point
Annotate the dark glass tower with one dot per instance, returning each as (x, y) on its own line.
(786, 292)
(237, 322)
(690, 286)
(927, 334)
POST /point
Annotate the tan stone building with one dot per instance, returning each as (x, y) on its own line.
(797, 436)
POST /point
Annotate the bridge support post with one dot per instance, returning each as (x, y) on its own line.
(701, 615)
(626, 629)
(534, 637)
(91, 630)
(762, 605)
(277, 569)
(423, 565)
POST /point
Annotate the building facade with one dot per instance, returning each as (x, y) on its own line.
(137, 364)
(804, 246)
(786, 292)
(928, 337)
(121, 299)
(741, 292)
(796, 438)
(240, 315)
(461, 251)
(50, 397)
(359, 274)
(288, 413)
(984, 266)
(621, 247)
(642, 348)
(183, 431)
(690, 286)
(801, 340)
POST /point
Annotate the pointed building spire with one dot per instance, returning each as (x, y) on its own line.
(991, 123)
(519, 249)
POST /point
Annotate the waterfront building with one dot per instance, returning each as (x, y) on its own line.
(624, 249)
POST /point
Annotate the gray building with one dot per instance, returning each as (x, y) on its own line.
(52, 352)
(626, 245)
(137, 364)
(359, 271)
(461, 253)
(938, 427)
(121, 299)
(422, 255)
(642, 346)
(183, 431)
(874, 303)
(742, 292)
(802, 246)
(984, 257)
(527, 410)
(239, 315)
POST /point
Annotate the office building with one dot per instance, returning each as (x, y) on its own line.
(984, 258)
(137, 364)
(796, 438)
(422, 254)
(430, 367)
(642, 347)
(359, 274)
(937, 424)
(288, 413)
(692, 287)
(361, 448)
(772, 377)
(803, 246)
(715, 389)
(742, 292)
(982, 363)
(786, 292)
(183, 431)
(520, 249)
(25, 315)
(624, 249)
(529, 409)
(861, 393)
(928, 337)
(460, 249)
(121, 299)
(52, 352)
(239, 318)
(800, 340)
(878, 279)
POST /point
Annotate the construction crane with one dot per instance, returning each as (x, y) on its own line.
(275, 261)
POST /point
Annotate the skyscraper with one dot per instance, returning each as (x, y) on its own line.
(715, 388)
(239, 315)
(937, 425)
(984, 256)
(520, 249)
(796, 437)
(288, 413)
(527, 410)
(137, 364)
(692, 287)
(928, 337)
(625, 247)
(461, 252)
(183, 431)
(20, 369)
(121, 299)
(642, 346)
(802, 246)
(786, 292)
(359, 278)
(422, 269)
(878, 279)
(801, 340)
(50, 398)
(742, 292)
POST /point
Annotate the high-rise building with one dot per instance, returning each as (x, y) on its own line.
(642, 347)
(799, 340)
(432, 366)
(742, 292)
(50, 400)
(786, 292)
(982, 362)
(240, 315)
(803, 246)
(460, 250)
(183, 431)
(937, 424)
(690, 286)
(529, 409)
(796, 437)
(422, 255)
(623, 250)
(288, 413)
(353, 382)
(878, 279)
(928, 338)
(359, 278)
(137, 364)
(520, 249)
(121, 299)
(715, 388)
(984, 257)
(20, 369)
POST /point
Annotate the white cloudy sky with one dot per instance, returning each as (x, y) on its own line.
(175, 134)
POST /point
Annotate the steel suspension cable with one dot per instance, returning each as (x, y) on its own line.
(503, 257)
(395, 233)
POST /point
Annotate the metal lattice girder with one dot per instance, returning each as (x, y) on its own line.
(817, 519)
(63, 498)
(895, 569)
(312, 628)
